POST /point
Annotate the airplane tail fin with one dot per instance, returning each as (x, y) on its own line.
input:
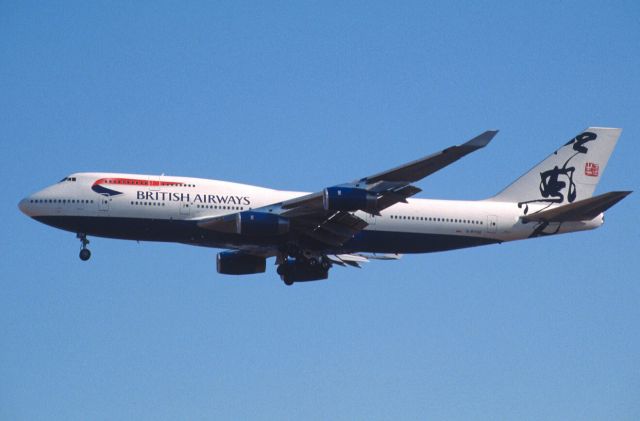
(569, 174)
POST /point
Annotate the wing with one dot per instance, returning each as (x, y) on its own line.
(325, 220)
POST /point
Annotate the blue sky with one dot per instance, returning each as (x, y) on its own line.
(301, 95)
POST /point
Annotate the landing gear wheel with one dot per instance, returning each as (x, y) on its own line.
(85, 254)
(288, 281)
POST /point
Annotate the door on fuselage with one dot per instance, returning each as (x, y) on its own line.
(184, 209)
(492, 223)
(103, 203)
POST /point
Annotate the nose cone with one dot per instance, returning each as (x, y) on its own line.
(24, 207)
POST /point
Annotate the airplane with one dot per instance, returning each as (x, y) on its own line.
(347, 224)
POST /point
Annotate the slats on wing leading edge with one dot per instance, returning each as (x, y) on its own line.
(311, 201)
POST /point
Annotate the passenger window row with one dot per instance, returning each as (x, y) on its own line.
(435, 219)
(220, 207)
(148, 203)
(60, 201)
(146, 183)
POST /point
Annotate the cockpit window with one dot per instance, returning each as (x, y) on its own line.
(67, 179)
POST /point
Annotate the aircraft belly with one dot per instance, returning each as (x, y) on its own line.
(411, 242)
(143, 229)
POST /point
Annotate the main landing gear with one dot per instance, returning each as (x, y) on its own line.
(85, 253)
(302, 269)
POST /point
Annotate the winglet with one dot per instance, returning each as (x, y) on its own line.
(482, 140)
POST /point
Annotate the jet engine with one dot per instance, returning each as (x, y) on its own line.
(348, 199)
(238, 263)
(261, 224)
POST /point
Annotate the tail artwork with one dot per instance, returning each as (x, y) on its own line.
(568, 175)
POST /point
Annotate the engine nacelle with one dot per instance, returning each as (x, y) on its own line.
(261, 224)
(237, 263)
(348, 199)
(296, 271)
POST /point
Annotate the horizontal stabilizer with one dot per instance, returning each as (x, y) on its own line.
(582, 210)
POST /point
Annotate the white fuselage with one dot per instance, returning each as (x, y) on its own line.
(101, 203)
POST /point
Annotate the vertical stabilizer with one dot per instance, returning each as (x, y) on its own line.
(569, 174)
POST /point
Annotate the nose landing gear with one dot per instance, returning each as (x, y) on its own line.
(85, 253)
